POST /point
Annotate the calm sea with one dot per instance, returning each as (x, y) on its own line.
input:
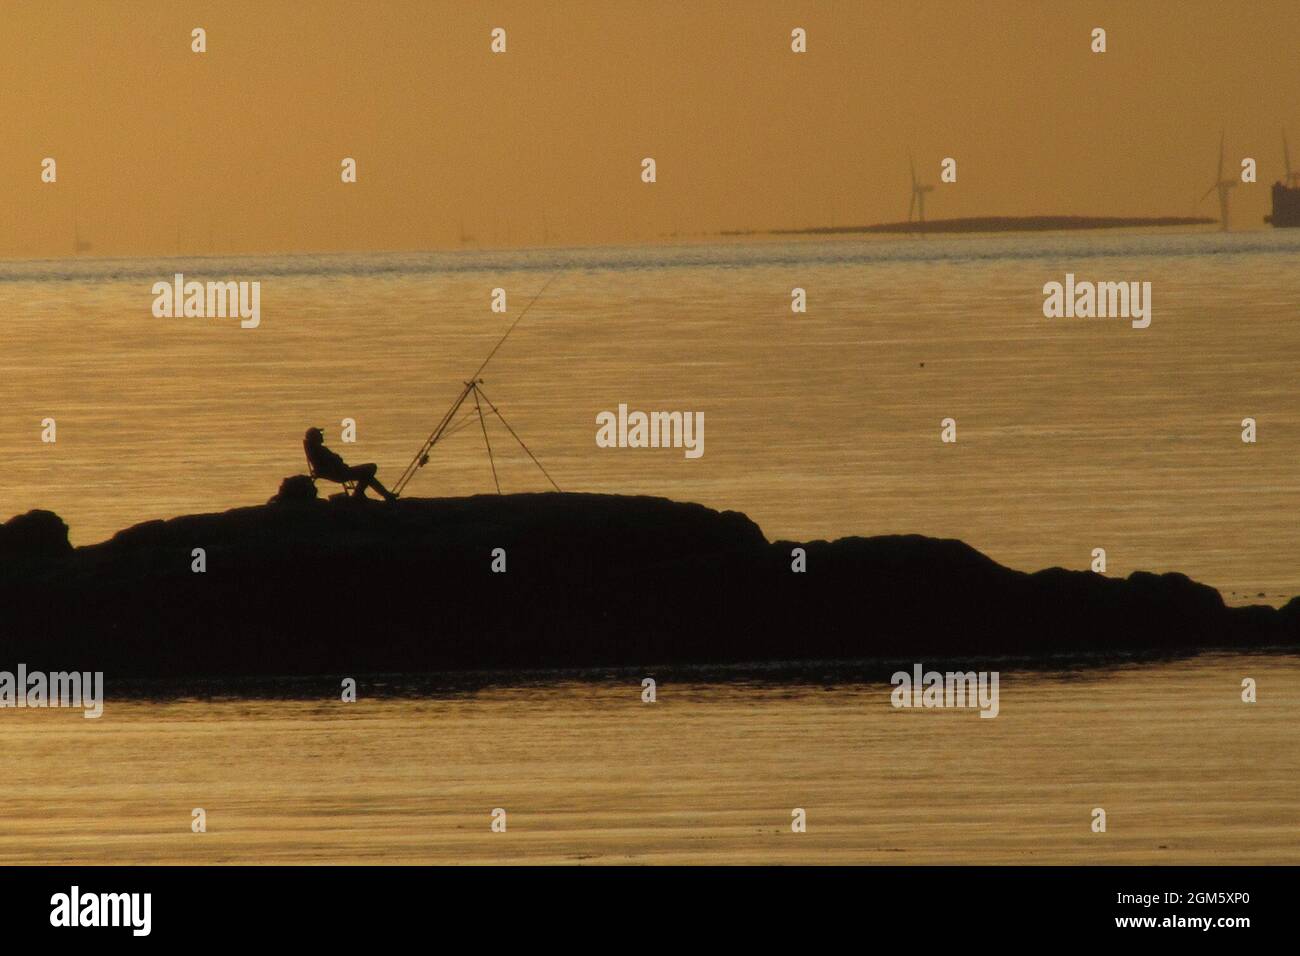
(1072, 434)
(709, 773)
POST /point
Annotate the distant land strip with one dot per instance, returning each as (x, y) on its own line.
(986, 224)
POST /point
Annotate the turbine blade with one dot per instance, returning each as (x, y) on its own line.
(911, 207)
(1207, 192)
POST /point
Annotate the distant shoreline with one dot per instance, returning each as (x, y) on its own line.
(769, 675)
(987, 224)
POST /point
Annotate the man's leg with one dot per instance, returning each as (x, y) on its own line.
(388, 495)
(364, 476)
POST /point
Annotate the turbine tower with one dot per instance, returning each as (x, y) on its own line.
(1292, 180)
(1222, 185)
(917, 205)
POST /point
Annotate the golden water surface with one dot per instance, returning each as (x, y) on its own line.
(1072, 434)
(709, 773)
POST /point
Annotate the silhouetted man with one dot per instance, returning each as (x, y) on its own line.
(326, 464)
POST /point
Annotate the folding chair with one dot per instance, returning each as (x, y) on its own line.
(349, 487)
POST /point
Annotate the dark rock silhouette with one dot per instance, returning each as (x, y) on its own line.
(36, 535)
(320, 587)
(295, 489)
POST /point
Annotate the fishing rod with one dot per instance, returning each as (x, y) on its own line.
(472, 388)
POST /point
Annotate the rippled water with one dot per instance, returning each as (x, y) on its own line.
(709, 773)
(1072, 434)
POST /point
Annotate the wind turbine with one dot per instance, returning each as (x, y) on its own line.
(1222, 185)
(1292, 180)
(918, 193)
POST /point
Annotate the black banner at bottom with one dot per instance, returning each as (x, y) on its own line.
(335, 904)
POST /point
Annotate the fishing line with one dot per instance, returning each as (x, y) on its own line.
(472, 387)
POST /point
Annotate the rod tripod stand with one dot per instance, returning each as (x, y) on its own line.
(445, 429)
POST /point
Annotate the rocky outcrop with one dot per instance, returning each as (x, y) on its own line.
(34, 536)
(310, 586)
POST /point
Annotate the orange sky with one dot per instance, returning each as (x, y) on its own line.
(161, 150)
